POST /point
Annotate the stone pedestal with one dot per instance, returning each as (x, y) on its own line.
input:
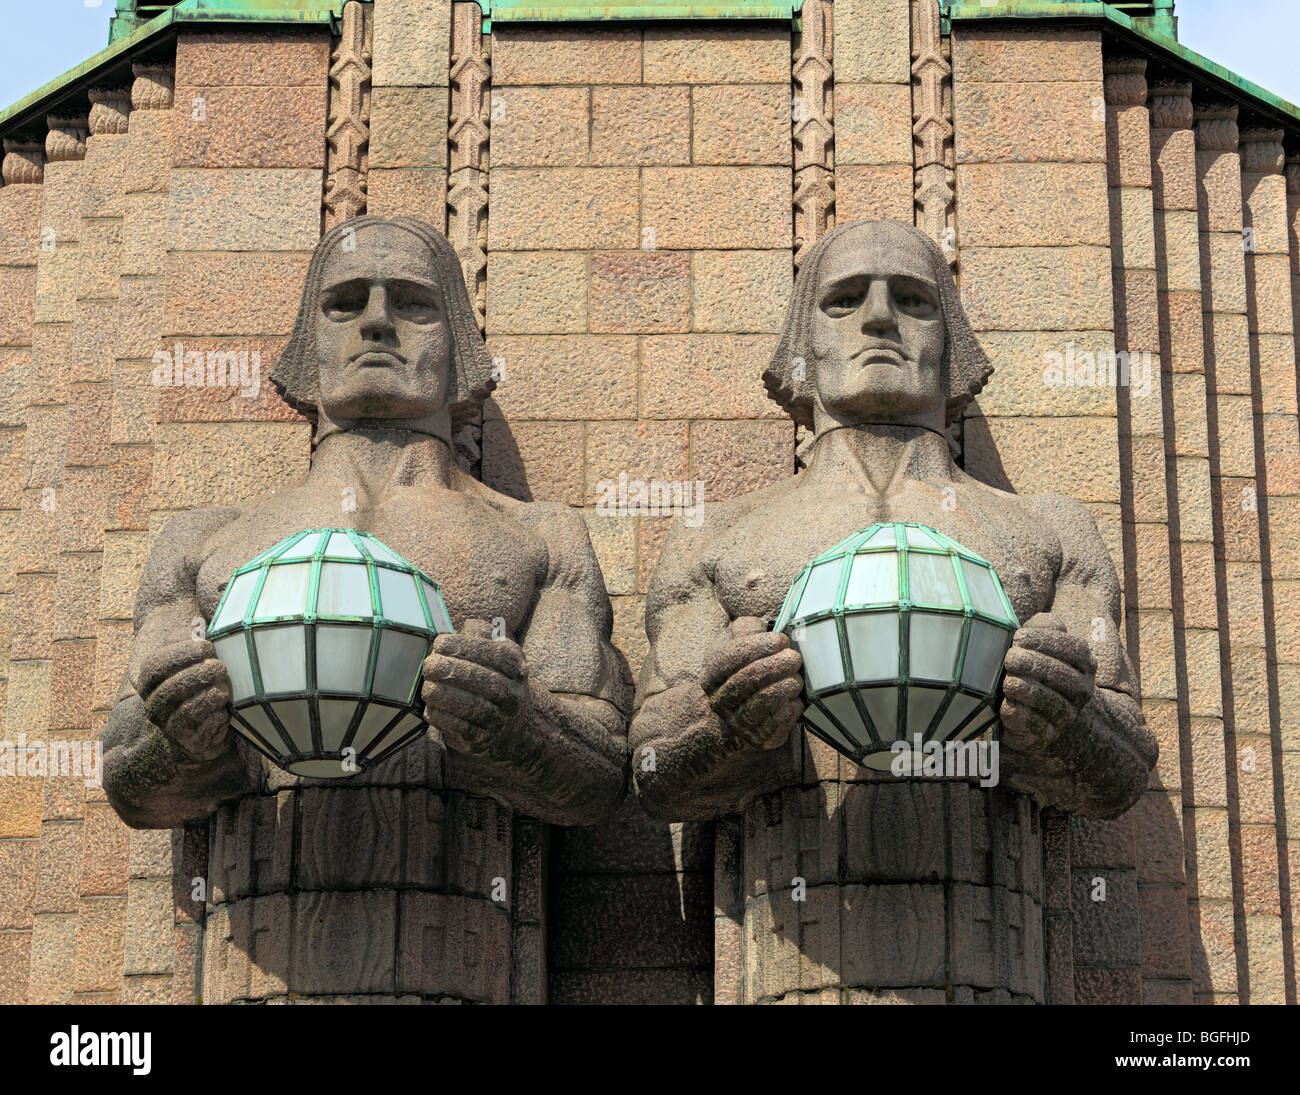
(387, 886)
(892, 892)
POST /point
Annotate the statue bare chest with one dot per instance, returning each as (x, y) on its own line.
(758, 558)
(487, 565)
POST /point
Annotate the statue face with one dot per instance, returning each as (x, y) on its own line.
(878, 331)
(383, 342)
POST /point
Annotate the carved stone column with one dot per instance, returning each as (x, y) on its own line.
(932, 131)
(814, 129)
(349, 116)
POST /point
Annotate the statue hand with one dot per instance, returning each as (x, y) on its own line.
(473, 686)
(186, 693)
(753, 680)
(1049, 678)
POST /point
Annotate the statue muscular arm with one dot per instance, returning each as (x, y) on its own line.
(717, 699)
(169, 755)
(1072, 728)
(539, 723)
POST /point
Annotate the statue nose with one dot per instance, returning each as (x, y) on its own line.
(877, 314)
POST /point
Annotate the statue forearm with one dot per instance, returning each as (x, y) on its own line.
(1097, 766)
(153, 784)
(564, 761)
(683, 768)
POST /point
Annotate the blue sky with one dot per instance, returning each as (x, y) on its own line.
(45, 38)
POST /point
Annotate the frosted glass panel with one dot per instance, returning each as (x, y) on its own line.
(344, 590)
(282, 658)
(819, 645)
(335, 717)
(303, 548)
(922, 703)
(233, 651)
(873, 642)
(932, 580)
(826, 727)
(441, 622)
(933, 644)
(842, 707)
(342, 547)
(342, 655)
(406, 726)
(381, 553)
(294, 716)
(917, 538)
(984, 654)
(882, 536)
(372, 725)
(961, 706)
(978, 725)
(823, 585)
(983, 593)
(882, 706)
(398, 668)
(399, 601)
(873, 579)
(285, 591)
(240, 591)
(259, 720)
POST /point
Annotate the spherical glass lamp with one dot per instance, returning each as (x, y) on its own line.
(903, 632)
(323, 637)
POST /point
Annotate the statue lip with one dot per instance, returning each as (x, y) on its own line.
(383, 359)
(879, 353)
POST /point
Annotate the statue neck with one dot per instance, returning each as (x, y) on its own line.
(374, 456)
(882, 455)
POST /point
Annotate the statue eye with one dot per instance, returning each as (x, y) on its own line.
(843, 304)
(414, 303)
(345, 303)
(913, 300)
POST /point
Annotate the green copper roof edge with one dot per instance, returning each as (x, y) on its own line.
(191, 11)
(969, 11)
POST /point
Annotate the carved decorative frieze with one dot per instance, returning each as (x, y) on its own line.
(467, 187)
(1262, 152)
(66, 139)
(110, 109)
(24, 162)
(349, 116)
(1216, 127)
(1170, 104)
(814, 128)
(932, 148)
(1126, 81)
(154, 87)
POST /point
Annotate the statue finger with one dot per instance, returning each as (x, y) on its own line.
(1061, 645)
(1062, 676)
(502, 655)
(726, 658)
(163, 701)
(750, 679)
(439, 696)
(161, 664)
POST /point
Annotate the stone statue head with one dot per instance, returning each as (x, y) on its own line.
(385, 333)
(876, 332)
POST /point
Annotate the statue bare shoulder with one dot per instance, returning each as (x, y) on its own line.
(1095, 763)
(170, 757)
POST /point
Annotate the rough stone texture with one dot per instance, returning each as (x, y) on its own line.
(640, 292)
(563, 208)
(711, 207)
(642, 126)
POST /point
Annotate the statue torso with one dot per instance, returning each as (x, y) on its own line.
(757, 557)
(487, 564)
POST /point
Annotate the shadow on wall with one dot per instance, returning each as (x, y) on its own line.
(630, 902)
